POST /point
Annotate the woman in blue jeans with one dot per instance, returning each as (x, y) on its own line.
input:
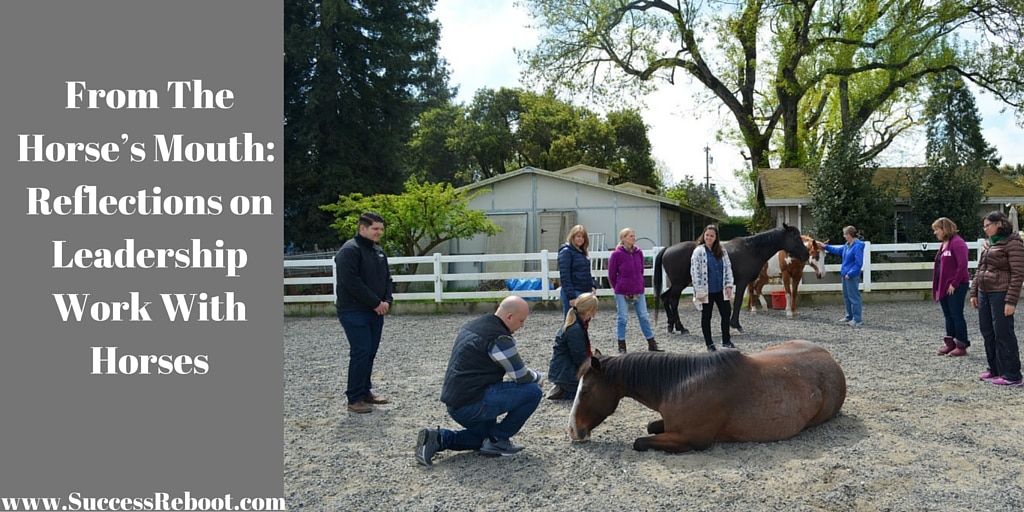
(626, 275)
(852, 253)
(950, 281)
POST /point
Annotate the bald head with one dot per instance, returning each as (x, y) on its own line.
(513, 312)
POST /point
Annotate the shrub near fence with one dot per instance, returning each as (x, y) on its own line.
(887, 267)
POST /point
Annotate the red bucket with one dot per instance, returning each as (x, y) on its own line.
(778, 300)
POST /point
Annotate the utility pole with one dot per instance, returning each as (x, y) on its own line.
(707, 167)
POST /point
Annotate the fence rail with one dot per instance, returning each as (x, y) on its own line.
(891, 256)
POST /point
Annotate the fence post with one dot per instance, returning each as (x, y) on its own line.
(867, 267)
(545, 282)
(438, 282)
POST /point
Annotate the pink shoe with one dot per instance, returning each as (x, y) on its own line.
(987, 376)
(999, 381)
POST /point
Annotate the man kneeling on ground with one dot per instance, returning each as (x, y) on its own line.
(475, 391)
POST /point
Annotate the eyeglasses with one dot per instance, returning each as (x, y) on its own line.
(986, 225)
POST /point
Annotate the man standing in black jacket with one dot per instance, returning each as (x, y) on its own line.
(364, 297)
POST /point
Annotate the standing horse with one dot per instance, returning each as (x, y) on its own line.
(791, 271)
(747, 254)
(716, 396)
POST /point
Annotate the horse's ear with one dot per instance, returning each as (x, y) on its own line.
(597, 352)
(595, 363)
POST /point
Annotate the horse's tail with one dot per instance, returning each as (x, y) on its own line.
(656, 281)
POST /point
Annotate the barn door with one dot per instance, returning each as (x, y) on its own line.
(554, 228)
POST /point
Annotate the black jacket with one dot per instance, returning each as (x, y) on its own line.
(362, 275)
(470, 367)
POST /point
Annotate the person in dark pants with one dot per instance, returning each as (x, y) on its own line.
(994, 293)
(572, 347)
(476, 391)
(950, 282)
(364, 290)
(713, 283)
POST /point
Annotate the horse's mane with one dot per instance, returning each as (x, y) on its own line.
(771, 238)
(655, 375)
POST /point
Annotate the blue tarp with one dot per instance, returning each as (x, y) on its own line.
(516, 285)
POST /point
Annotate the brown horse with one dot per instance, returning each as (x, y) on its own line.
(715, 396)
(791, 271)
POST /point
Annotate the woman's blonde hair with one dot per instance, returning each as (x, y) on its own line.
(578, 228)
(624, 232)
(585, 303)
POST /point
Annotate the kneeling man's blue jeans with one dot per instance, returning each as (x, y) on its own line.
(480, 419)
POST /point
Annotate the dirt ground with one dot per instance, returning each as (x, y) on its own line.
(918, 431)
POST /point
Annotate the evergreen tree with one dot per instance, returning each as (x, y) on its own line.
(357, 75)
(843, 193)
(957, 156)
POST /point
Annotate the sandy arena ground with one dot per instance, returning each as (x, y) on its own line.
(918, 431)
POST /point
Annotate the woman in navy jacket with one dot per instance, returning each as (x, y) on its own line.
(574, 267)
(572, 347)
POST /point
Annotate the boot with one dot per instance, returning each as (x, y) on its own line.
(653, 345)
(622, 346)
(711, 347)
(948, 340)
(960, 350)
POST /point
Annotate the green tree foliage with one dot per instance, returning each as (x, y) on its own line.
(697, 196)
(844, 192)
(507, 129)
(357, 75)
(957, 154)
(790, 73)
(416, 221)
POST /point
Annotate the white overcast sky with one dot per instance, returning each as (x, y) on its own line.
(478, 39)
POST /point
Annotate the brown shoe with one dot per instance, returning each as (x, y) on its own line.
(373, 399)
(360, 407)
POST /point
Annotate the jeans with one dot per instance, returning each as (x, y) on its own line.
(953, 311)
(715, 300)
(622, 310)
(363, 330)
(565, 304)
(1001, 348)
(480, 419)
(851, 297)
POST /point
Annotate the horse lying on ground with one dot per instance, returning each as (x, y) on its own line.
(791, 271)
(715, 396)
(747, 255)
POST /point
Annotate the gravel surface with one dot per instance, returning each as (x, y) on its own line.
(918, 431)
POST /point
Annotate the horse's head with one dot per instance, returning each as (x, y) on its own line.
(596, 399)
(816, 256)
(793, 243)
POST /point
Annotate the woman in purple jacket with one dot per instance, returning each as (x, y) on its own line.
(950, 282)
(626, 275)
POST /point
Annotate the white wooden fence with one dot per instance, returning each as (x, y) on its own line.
(547, 265)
